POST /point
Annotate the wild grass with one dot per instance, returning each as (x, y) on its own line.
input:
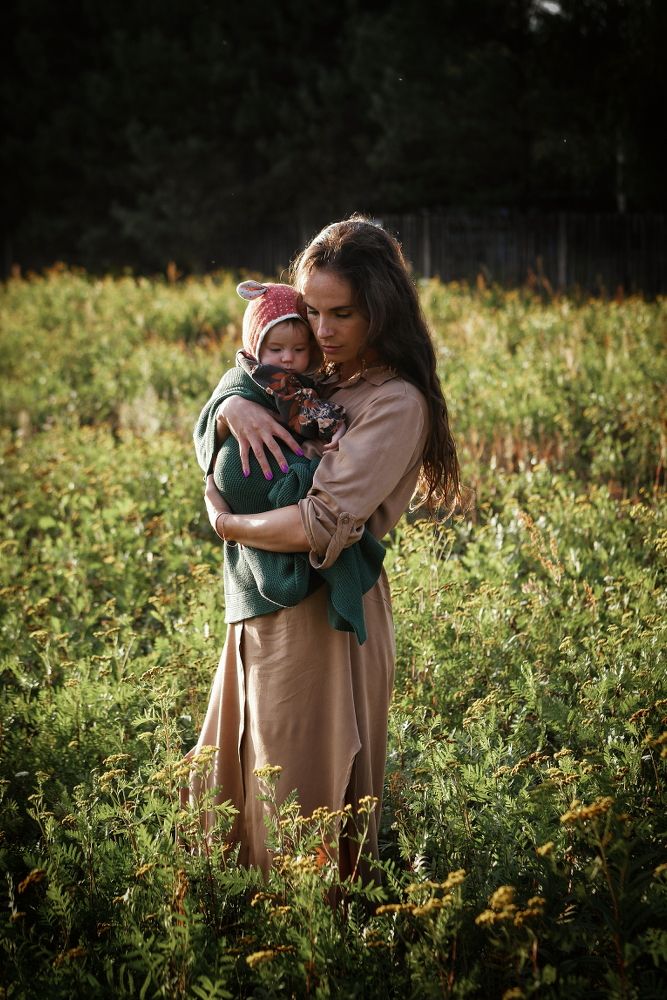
(523, 829)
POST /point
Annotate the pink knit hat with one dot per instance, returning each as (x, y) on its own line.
(268, 304)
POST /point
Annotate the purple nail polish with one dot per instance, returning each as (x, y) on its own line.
(268, 475)
(285, 467)
(246, 474)
(299, 452)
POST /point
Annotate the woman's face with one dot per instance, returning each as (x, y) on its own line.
(339, 325)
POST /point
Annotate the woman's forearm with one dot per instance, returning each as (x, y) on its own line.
(278, 530)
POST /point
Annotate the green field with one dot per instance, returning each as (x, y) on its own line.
(524, 827)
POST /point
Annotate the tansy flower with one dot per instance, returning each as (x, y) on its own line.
(581, 814)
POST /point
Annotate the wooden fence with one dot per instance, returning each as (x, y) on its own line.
(596, 253)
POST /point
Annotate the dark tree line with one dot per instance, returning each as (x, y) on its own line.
(137, 133)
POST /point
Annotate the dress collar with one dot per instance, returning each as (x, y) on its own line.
(375, 374)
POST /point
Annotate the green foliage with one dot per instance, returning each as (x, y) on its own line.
(125, 351)
(580, 386)
(523, 837)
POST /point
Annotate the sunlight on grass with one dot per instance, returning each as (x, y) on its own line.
(522, 834)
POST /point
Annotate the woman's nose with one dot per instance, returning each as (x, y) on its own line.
(323, 329)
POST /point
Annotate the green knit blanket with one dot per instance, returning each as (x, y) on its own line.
(259, 582)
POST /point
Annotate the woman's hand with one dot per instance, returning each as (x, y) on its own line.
(215, 505)
(256, 431)
(333, 444)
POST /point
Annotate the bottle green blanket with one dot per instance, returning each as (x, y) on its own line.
(259, 582)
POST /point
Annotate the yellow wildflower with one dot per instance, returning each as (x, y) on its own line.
(428, 907)
(267, 772)
(261, 897)
(109, 776)
(68, 956)
(114, 758)
(418, 886)
(454, 879)
(36, 875)
(502, 898)
(523, 915)
(394, 908)
(258, 957)
(578, 813)
(144, 869)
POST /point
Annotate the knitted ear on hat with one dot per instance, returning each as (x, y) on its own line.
(250, 289)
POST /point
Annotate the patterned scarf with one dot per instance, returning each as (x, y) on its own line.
(295, 396)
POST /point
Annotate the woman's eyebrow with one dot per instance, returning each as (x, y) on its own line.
(331, 308)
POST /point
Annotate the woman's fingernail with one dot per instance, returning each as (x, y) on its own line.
(246, 473)
(285, 467)
(299, 452)
(268, 475)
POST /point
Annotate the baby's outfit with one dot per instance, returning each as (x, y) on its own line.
(295, 398)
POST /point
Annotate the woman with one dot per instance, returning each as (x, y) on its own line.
(290, 690)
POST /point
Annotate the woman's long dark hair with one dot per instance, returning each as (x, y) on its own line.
(371, 260)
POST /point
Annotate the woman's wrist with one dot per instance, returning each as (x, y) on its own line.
(219, 526)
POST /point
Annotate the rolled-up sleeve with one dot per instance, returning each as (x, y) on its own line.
(378, 458)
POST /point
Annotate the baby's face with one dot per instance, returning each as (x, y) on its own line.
(288, 345)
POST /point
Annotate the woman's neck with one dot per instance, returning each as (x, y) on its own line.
(351, 368)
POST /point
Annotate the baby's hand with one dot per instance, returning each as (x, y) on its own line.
(333, 444)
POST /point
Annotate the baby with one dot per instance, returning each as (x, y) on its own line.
(279, 352)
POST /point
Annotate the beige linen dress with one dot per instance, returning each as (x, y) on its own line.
(289, 689)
